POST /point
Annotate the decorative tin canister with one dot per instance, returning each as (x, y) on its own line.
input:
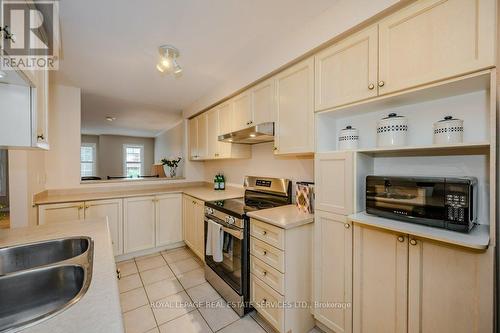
(392, 131)
(348, 138)
(448, 131)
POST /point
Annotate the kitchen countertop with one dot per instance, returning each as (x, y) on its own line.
(202, 191)
(478, 238)
(285, 217)
(99, 309)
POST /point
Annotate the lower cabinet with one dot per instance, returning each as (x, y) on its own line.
(168, 219)
(139, 223)
(62, 212)
(280, 275)
(113, 210)
(333, 271)
(194, 225)
(405, 284)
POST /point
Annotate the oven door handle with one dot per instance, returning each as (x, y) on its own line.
(235, 233)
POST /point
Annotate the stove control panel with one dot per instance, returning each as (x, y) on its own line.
(223, 217)
(230, 220)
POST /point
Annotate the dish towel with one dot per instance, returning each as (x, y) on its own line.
(215, 240)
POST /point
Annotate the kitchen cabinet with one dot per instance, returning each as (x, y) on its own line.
(449, 288)
(295, 109)
(53, 213)
(263, 102)
(112, 210)
(431, 40)
(41, 130)
(280, 273)
(334, 171)
(194, 225)
(380, 263)
(347, 71)
(202, 136)
(213, 150)
(333, 270)
(242, 111)
(193, 139)
(168, 219)
(405, 284)
(138, 223)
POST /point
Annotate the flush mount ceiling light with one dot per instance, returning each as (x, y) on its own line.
(168, 60)
(110, 119)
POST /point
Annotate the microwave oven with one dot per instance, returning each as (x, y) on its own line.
(449, 203)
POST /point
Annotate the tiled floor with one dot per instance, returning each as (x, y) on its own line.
(167, 292)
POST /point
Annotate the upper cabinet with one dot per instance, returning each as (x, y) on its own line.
(347, 71)
(434, 39)
(263, 102)
(213, 150)
(294, 128)
(428, 41)
(242, 111)
(193, 139)
(198, 135)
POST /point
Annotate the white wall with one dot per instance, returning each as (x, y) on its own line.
(170, 144)
(337, 19)
(263, 163)
(63, 159)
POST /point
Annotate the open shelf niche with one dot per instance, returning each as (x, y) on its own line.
(470, 98)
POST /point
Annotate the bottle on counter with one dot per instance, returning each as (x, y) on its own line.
(216, 183)
(222, 184)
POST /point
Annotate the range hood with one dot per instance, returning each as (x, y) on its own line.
(251, 135)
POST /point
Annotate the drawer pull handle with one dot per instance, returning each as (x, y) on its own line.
(401, 239)
(264, 273)
(413, 241)
(264, 301)
(264, 233)
(265, 253)
(347, 225)
(371, 86)
(381, 83)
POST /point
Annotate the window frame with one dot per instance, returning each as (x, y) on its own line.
(92, 145)
(125, 162)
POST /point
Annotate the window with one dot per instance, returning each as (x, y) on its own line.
(88, 160)
(134, 159)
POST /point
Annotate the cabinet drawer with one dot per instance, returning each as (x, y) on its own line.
(268, 254)
(266, 273)
(267, 302)
(268, 233)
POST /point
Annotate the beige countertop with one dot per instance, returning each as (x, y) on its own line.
(199, 190)
(286, 217)
(478, 238)
(99, 309)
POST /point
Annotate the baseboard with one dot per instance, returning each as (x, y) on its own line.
(127, 256)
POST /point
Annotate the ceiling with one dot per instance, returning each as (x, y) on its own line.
(109, 49)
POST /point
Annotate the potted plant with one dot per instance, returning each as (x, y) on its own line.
(172, 164)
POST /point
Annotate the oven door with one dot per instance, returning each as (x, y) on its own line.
(232, 267)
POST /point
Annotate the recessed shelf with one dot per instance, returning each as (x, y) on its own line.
(432, 150)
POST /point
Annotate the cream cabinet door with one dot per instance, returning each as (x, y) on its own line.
(41, 130)
(213, 133)
(450, 289)
(295, 109)
(263, 102)
(242, 111)
(112, 210)
(168, 219)
(380, 263)
(188, 221)
(193, 138)
(202, 136)
(347, 71)
(225, 127)
(334, 171)
(63, 212)
(139, 224)
(333, 270)
(432, 40)
(199, 228)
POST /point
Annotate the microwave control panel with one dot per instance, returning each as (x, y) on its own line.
(456, 207)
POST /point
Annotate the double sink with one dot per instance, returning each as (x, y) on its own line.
(39, 280)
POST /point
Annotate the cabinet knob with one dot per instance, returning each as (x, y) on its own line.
(413, 241)
(264, 300)
(40, 137)
(401, 239)
(118, 274)
(381, 83)
(264, 233)
(371, 86)
(347, 225)
(264, 273)
(275, 148)
(87, 206)
(265, 253)
(250, 122)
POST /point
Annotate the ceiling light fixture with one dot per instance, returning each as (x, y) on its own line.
(168, 60)
(110, 119)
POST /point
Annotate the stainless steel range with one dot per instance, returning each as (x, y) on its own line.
(230, 274)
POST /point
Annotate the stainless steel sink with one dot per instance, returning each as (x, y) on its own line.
(36, 287)
(26, 256)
